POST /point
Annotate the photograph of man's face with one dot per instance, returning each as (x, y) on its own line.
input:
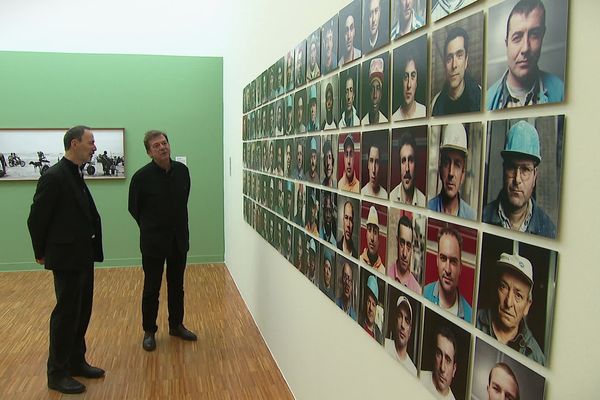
(300, 112)
(376, 23)
(328, 224)
(348, 225)
(407, 16)
(349, 98)
(350, 33)
(372, 303)
(290, 65)
(410, 78)
(347, 286)
(329, 157)
(373, 235)
(329, 45)
(330, 102)
(313, 68)
(375, 164)
(300, 63)
(409, 165)
(375, 97)
(349, 162)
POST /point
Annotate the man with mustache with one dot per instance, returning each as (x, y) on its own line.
(452, 172)
(401, 330)
(515, 208)
(370, 254)
(406, 192)
(444, 292)
(524, 83)
(349, 181)
(506, 322)
(439, 380)
(400, 270)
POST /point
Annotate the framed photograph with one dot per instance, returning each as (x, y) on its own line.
(290, 66)
(314, 111)
(442, 8)
(349, 97)
(407, 16)
(373, 235)
(327, 272)
(350, 25)
(330, 101)
(313, 159)
(408, 176)
(375, 81)
(26, 154)
(376, 24)
(410, 78)
(300, 69)
(372, 304)
(313, 48)
(347, 281)
(329, 217)
(348, 225)
(329, 156)
(349, 162)
(329, 45)
(375, 163)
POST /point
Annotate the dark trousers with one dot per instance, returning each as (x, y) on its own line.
(70, 319)
(153, 270)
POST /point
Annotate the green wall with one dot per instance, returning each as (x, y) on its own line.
(181, 95)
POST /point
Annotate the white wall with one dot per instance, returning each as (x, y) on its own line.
(320, 351)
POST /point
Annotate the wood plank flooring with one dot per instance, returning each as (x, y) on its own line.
(229, 361)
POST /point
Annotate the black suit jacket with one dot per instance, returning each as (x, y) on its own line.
(63, 222)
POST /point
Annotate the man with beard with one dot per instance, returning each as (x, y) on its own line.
(371, 301)
(349, 115)
(515, 208)
(373, 186)
(313, 106)
(313, 167)
(439, 380)
(326, 284)
(329, 121)
(299, 171)
(409, 107)
(406, 192)
(401, 328)
(346, 299)
(444, 292)
(452, 172)
(346, 244)
(329, 59)
(329, 223)
(408, 20)
(375, 116)
(349, 181)
(370, 254)
(400, 271)
(328, 165)
(349, 52)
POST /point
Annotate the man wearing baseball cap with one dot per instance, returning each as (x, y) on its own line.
(349, 181)
(401, 330)
(515, 208)
(313, 162)
(452, 172)
(376, 82)
(370, 254)
(313, 107)
(507, 321)
(327, 279)
(371, 300)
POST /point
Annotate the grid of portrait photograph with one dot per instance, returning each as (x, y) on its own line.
(382, 157)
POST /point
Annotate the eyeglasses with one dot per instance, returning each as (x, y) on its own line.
(524, 169)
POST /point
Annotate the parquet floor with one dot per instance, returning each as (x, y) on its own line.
(229, 361)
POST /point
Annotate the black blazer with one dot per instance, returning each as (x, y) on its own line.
(63, 222)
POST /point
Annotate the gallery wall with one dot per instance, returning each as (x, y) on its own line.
(180, 95)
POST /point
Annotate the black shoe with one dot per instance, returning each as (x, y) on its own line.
(149, 343)
(66, 385)
(183, 333)
(87, 371)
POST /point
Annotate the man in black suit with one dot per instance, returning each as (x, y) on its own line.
(158, 197)
(66, 235)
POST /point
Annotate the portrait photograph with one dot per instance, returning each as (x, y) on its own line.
(410, 76)
(264, 79)
(244, 127)
(457, 67)
(270, 116)
(376, 24)
(300, 64)
(312, 159)
(313, 251)
(372, 304)
(251, 125)
(289, 190)
(403, 328)
(299, 249)
(455, 152)
(526, 53)
(497, 375)
(347, 287)
(408, 174)
(287, 244)
(300, 204)
(348, 170)
(298, 162)
(450, 267)
(329, 45)
(278, 197)
(328, 217)
(279, 126)
(445, 357)
(407, 242)
(258, 85)
(311, 217)
(290, 66)
(349, 97)
(252, 95)
(271, 73)
(375, 163)
(330, 102)
(348, 226)
(523, 170)
(26, 154)
(278, 73)
(269, 156)
(288, 163)
(407, 16)
(300, 113)
(350, 32)
(277, 233)
(443, 8)
(314, 110)
(373, 235)
(289, 115)
(329, 155)
(313, 60)
(375, 81)
(327, 267)
(515, 306)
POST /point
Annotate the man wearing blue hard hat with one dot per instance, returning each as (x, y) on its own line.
(515, 207)
(371, 300)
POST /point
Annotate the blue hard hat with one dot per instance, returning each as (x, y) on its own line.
(372, 286)
(522, 140)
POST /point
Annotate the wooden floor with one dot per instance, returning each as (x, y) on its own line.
(229, 361)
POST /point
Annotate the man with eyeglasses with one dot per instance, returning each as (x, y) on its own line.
(400, 270)
(158, 198)
(346, 301)
(506, 321)
(515, 208)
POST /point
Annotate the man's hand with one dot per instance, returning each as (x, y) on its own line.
(40, 261)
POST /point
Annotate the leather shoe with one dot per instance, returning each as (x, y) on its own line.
(183, 333)
(66, 385)
(149, 343)
(87, 371)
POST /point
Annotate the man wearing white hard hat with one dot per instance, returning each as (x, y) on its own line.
(371, 298)
(507, 321)
(515, 208)
(370, 254)
(376, 84)
(452, 172)
(401, 323)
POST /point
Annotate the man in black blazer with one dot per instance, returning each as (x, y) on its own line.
(158, 197)
(66, 235)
